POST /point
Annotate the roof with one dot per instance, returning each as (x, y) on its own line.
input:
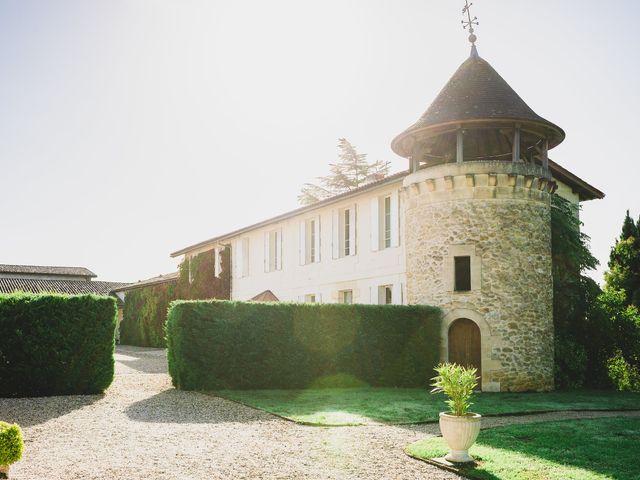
(582, 188)
(47, 270)
(477, 92)
(160, 279)
(71, 287)
(585, 190)
(337, 198)
(266, 296)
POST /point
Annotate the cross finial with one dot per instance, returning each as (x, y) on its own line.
(470, 23)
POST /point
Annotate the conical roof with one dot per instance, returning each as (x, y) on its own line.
(476, 92)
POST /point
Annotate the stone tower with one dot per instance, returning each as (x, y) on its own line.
(478, 226)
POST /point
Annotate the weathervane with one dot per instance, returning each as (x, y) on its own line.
(470, 22)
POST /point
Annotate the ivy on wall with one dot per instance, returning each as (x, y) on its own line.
(145, 309)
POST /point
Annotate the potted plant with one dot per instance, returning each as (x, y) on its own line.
(459, 427)
(11, 445)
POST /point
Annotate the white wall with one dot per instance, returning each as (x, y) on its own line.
(362, 273)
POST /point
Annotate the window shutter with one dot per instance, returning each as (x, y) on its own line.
(375, 224)
(396, 294)
(373, 295)
(279, 249)
(395, 220)
(318, 298)
(317, 239)
(352, 230)
(335, 238)
(303, 243)
(267, 258)
(216, 263)
(245, 257)
(239, 259)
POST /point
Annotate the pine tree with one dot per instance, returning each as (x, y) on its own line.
(624, 263)
(350, 172)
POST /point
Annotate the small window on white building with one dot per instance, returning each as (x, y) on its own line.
(241, 257)
(344, 232)
(310, 241)
(273, 251)
(385, 222)
(310, 298)
(346, 296)
(385, 294)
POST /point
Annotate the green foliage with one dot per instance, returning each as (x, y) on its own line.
(145, 309)
(457, 383)
(11, 443)
(574, 296)
(624, 263)
(625, 377)
(233, 345)
(351, 171)
(144, 315)
(52, 344)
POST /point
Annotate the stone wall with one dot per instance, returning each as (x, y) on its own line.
(498, 213)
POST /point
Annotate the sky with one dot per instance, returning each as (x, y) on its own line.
(130, 129)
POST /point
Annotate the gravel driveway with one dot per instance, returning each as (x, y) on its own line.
(144, 429)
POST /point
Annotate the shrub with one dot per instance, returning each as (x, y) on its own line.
(624, 377)
(457, 383)
(11, 443)
(234, 345)
(53, 344)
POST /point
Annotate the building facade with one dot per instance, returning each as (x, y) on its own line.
(466, 228)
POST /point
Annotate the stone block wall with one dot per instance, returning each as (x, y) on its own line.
(498, 213)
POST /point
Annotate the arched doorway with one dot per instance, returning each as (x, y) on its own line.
(465, 344)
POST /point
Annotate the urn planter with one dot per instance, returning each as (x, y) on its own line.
(460, 433)
(4, 471)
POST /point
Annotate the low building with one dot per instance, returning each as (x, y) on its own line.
(53, 279)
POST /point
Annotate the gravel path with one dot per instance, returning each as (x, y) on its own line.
(144, 429)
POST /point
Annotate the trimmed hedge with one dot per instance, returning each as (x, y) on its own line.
(53, 344)
(234, 345)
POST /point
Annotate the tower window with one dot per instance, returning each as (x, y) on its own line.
(462, 274)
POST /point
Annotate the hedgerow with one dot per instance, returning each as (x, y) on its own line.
(53, 344)
(235, 345)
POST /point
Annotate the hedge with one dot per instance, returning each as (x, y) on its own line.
(145, 309)
(53, 344)
(234, 345)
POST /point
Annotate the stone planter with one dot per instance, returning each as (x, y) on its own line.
(460, 433)
(4, 471)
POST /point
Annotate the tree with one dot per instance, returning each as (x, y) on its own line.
(350, 172)
(624, 263)
(574, 296)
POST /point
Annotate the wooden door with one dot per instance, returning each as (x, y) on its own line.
(464, 344)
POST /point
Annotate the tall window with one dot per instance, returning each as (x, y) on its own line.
(312, 241)
(273, 251)
(387, 222)
(346, 296)
(462, 272)
(346, 250)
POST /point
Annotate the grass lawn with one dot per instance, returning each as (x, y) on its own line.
(567, 450)
(361, 406)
